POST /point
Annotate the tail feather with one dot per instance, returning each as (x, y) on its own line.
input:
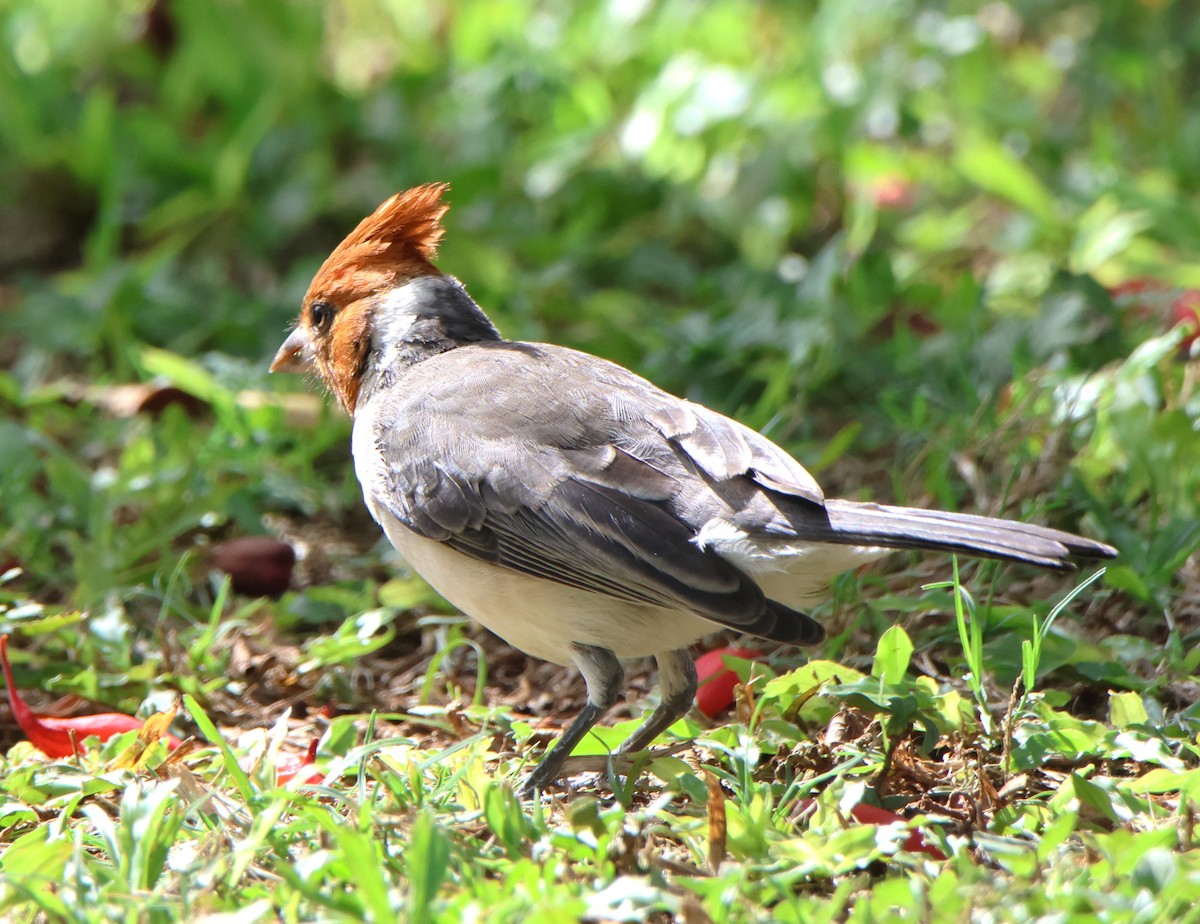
(781, 623)
(857, 523)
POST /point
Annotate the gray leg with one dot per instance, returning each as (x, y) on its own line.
(604, 677)
(677, 678)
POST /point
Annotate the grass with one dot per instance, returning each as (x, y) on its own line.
(933, 251)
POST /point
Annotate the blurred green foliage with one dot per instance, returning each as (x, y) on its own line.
(735, 194)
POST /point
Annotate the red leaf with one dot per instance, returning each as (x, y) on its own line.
(290, 764)
(891, 192)
(1136, 285)
(1139, 295)
(52, 735)
(717, 681)
(1186, 310)
(867, 814)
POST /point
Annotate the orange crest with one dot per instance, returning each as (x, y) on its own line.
(398, 240)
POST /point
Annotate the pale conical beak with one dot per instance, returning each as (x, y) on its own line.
(290, 357)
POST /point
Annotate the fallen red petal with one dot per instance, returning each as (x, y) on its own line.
(53, 735)
(290, 764)
(867, 814)
(1186, 310)
(716, 680)
(874, 815)
(1136, 285)
(1139, 295)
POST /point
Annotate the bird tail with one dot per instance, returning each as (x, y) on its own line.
(868, 524)
(789, 625)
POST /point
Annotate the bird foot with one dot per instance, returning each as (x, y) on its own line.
(618, 763)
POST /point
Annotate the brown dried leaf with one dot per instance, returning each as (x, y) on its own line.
(717, 830)
(144, 398)
(743, 700)
(154, 729)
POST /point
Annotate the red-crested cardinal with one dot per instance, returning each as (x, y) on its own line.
(578, 511)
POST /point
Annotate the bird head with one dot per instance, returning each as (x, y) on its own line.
(377, 280)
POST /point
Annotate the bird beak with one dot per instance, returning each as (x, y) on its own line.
(290, 357)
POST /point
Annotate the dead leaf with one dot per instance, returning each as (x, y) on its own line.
(144, 398)
(153, 730)
(717, 830)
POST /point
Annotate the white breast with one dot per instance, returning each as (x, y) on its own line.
(540, 617)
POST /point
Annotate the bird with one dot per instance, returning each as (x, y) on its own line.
(576, 510)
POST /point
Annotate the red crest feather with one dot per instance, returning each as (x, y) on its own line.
(398, 240)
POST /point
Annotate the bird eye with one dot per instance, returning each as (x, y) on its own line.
(320, 314)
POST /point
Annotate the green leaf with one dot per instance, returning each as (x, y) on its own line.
(1129, 580)
(150, 820)
(409, 593)
(1161, 780)
(426, 861)
(1104, 231)
(1060, 826)
(993, 167)
(1126, 709)
(892, 655)
(364, 866)
(185, 374)
(355, 638)
(502, 809)
(1084, 796)
(31, 870)
(836, 446)
(1029, 663)
(15, 813)
(209, 730)
(794, 683)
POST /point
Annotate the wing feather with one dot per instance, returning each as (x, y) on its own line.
(583, 532)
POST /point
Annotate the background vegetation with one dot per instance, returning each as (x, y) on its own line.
(936, 249)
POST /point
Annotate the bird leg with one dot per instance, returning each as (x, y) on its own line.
(677, 680)
(604, 677)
